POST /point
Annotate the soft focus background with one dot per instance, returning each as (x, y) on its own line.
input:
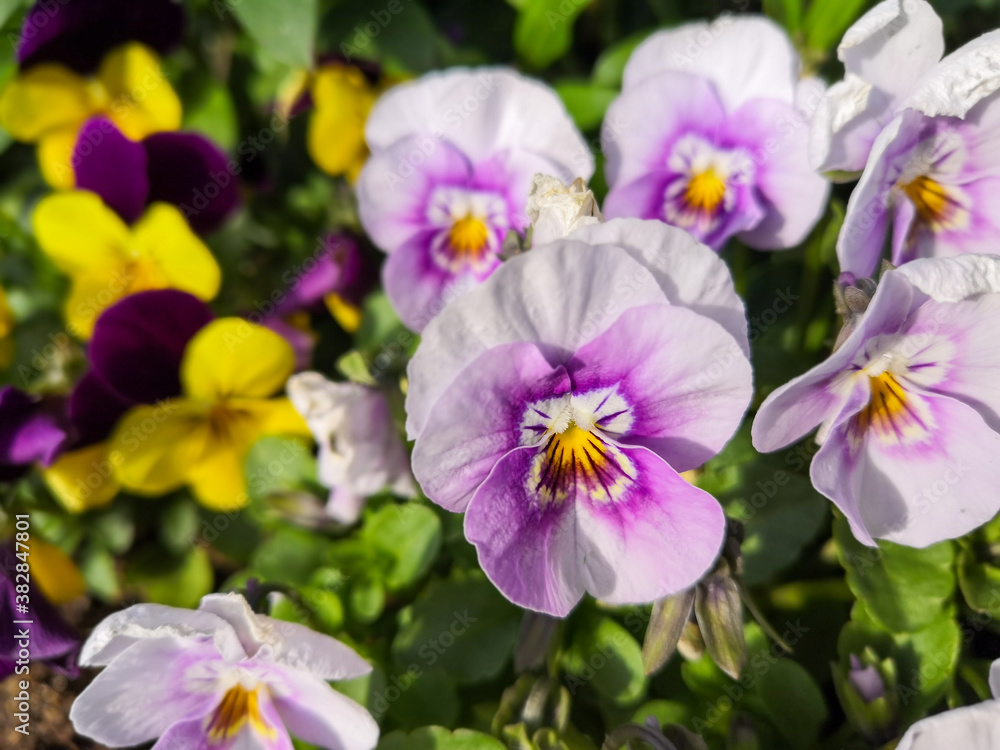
(403, 586)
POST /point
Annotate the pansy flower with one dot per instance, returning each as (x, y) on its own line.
(48, 103)
(556, 404)
(453, 156)
(107, 259)
(51, 639)
(219, 678)
(135, 357)
(885, 53)
(907, 407)
(185, 170)
(710, 134)
(229, 372)
(360, 450)
(932, 174)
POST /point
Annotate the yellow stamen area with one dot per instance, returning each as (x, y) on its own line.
(468, 236)
(930, 199)
(705, 191)
(144, 274)
(238, 707)
(887, 400)
(579, 460)
(574, 447)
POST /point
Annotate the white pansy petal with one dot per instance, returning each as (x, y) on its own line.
(995, 678)
(316, 713)
(482, 111)
(969, 728)
(956, 278)
(122, 629)
(720, 52)
(961, 80)
(560, 295)
(688, 272)
(145, 691)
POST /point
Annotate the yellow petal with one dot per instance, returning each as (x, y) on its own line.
(90, 295)
(45, 98)
(272, 416)
(158, 445)
(55, 157)
(54, 572)
(232, 358)
(79, 233)
(141, 98)
(336, 136)
(217, 480)
(164, 237)
(347, 314)
(83, 479)
(6, 316)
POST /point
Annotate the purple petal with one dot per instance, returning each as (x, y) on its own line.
(52, 639)
(31, 429)
(111, 165)
(339, 267)
(686, 380)
(303, 341)
(191, 172)
(478, 421)
(866, 680)
(94, 409)
(138, 342)
(78, 33)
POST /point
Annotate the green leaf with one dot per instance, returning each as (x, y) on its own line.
(544, 30)
(8, 8)
(980, 583)
(367, 598)
(276, 466)
(786, 12)
(409, 538)
(604, 654)
(610, 65)
(827, 20)
(586, 102)
(904, 588)
(290, 557)
(287, 31)
(98, 568)
(114, 528)
(213, 114)
(423, 696)
(178, 525)
(353, 366)
(438, 738)
(164, 579)
(466, 628)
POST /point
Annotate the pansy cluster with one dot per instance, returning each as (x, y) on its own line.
(458, 385)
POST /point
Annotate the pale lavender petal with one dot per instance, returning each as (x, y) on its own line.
(995, 678)
(113, 166)
(975, 727)
(793, 195)
(478, 420)
(123, 706)
(316, 713)
(961, 80)
(688, 272)
(685, 379)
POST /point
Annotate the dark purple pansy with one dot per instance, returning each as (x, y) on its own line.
(184, 169)
(78, 33)
(32, 429)
(135, 355)
(50, 638)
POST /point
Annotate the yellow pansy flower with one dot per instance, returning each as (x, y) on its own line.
(342, 97)
(83, 479)
(107, 259)
(6, 328)
(229, 373)
(48, 103)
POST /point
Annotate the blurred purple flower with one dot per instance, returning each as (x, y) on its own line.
(186, 170)
(50, 638)
(32, 428)
(77, 33)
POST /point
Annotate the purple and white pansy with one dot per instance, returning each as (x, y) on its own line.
(225, 679)
(556, 404)
(453, 156)
(885, 54)
(932, 175)
(710, 134)
(908, 406)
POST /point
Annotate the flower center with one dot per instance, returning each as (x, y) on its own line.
(143, 274)
(238, 708)
(578, 460)
(468, 236)
(937, 206)
(887, 402)
(705, 191)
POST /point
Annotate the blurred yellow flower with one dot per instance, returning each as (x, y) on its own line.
(6, 328)
(107, 260)
(54, 572)
(83, 479)
(48, 103)
(342, 98)
(229, 372)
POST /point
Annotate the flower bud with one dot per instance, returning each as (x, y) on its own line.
(556, 209)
